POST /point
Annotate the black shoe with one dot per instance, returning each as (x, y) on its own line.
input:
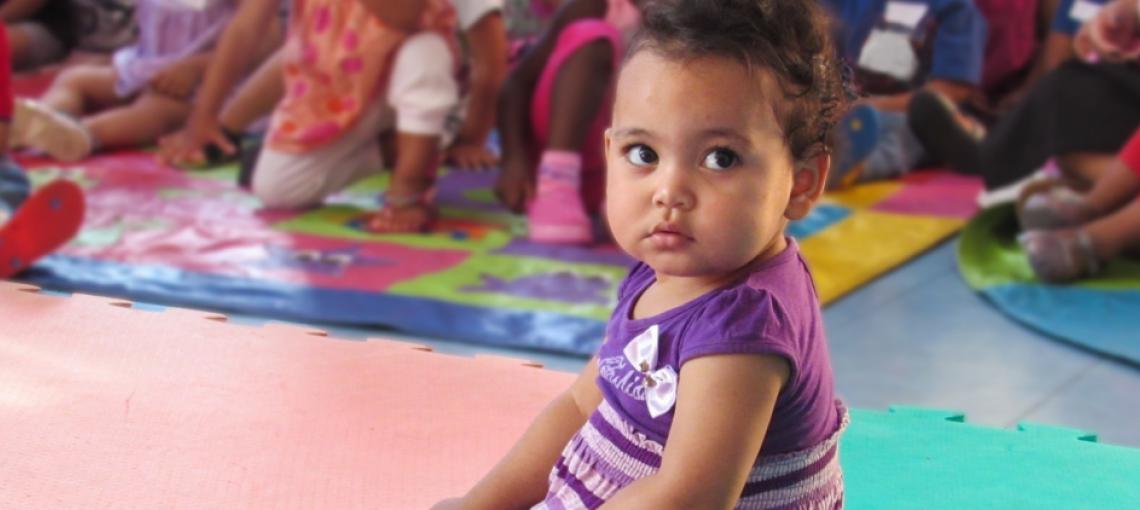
(935, 123)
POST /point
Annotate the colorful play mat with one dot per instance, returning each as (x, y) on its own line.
(105, 406)
(1098, 313)
(195, 239)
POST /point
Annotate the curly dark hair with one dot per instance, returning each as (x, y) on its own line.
(789, 38)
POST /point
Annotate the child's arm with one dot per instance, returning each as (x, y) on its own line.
(515, 182)
(235, 53)
(520, 479)
(488, 42)
(724, 406)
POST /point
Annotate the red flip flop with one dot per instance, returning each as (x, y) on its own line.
(49, 218)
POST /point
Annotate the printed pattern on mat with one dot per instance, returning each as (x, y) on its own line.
(194, 239)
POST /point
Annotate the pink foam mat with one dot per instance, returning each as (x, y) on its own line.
(104, 406)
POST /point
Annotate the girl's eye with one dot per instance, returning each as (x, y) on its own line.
(721, 159)
(641, 155)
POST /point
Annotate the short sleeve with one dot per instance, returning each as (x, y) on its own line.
(470, 12)
(959, 42)
(742, 320)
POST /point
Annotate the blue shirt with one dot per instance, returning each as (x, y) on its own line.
(949, 39)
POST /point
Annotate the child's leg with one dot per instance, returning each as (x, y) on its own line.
(283, 180)
(571, 169)
(50, 125)
(148, 117)
(82, 89)
(1085, 167)
(1068, 254)
(1053, 204)
(422, 91)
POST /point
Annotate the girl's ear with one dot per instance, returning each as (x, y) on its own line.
(808, 182)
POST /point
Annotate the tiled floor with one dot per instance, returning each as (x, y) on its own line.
(920, 337)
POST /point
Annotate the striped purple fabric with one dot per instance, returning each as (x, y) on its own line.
(607, 454)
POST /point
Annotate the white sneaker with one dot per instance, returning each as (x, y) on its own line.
(1009, 193)
(38, 126)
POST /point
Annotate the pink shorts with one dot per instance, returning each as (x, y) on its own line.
(573, 37)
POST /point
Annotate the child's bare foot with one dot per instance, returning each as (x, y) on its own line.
(403, 214)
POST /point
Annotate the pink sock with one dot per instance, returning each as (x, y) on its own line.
(561, 166)
(557, 214)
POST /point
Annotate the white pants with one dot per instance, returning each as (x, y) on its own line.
(421, 91)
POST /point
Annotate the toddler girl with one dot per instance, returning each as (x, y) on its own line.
(553, 109)
(713, 387)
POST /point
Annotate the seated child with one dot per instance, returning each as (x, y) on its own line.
(144, 93)
(898, 47)
(31, 224)
(552, 165)
(325, 131)
(1071, 234)
(480, 21)
(713, 387)
(1081, 114)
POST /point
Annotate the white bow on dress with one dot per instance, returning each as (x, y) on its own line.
(660, 384)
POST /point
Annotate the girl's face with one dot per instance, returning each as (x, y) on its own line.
(699, 179)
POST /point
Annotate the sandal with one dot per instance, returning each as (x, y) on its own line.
(393, 217)
(1050, 204)
(1060, 256)
(50, 217)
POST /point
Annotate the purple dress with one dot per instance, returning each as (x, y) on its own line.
(169, 30)
(775, 311)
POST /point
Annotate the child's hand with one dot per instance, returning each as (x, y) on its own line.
(186, 147)
(178, 79)
(515, 186)
(1114, 34)
(471, 157)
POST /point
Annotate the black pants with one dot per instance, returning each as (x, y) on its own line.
(1077, 108)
